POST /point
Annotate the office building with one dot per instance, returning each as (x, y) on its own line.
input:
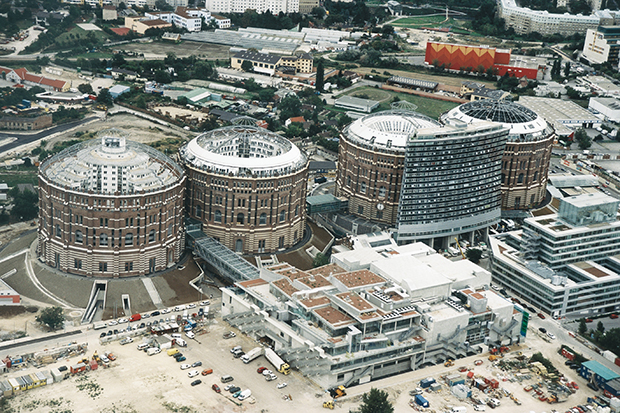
(525, 161)
(565, 263)
(601, 45)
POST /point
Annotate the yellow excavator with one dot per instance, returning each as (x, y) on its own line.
(329, 404)
(460, 249)
(449, 363)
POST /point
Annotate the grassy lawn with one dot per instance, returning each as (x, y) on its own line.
(432, 108)
(96, 55)
(419, 21)
(79, 33)
(12, 178)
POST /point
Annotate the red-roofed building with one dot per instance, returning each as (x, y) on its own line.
(22, 76)
(296, 119)
(121, 31)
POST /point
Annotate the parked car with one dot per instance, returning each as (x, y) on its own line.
(185, 366)
(237, 393)
(282, 385)
(543, 330)
(261, 369)
(112, 322)
(142, 325)
(216, 388)
(551, 336)
(192, 373)
(191, 306)
(166, 311)
(236, 348)
(190, 334)
(197, 363)
(234, 389)
(228, 335)
(568, 363)
(589, 320)
(541, 315)
(180, 359)
(155, 313)
(228, 387)
(207, 371)
(205, 302)
(613, 316)
(122, 320)
(146, 316)
(196, 382)
(102, 334)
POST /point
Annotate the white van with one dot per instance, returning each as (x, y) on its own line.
(180, 342)
(153, 350)
(176, 335)
(179, 308)
(142, 346)
(185, 315)
(480, 407)
(244, 394)
(459, 409)
(190, 334)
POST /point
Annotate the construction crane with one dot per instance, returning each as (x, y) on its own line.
(460, 249)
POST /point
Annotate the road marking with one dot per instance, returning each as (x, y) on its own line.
(15, 254)
(150, 288)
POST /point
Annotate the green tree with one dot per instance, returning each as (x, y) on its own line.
(52, 317)
(289, 107)
(25, 204)
(105, 97)
(582, 138)
(320, 259)
(85, 88)
(162, 76)
(611, 340)
(567, 69)
(474, 255)
(583, 328)
(247, 66)
(600, 327)
(344, 120)
(376, 401)
(266, 95)
(320, 76)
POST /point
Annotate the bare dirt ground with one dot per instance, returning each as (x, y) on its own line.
(159, 50)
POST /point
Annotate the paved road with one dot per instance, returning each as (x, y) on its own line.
(22, 139)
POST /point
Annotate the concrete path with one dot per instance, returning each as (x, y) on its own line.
(150, 288)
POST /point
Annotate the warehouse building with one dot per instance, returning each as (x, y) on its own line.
(356, 104)
(609, 107)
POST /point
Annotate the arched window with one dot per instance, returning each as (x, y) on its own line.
(129, 239)
(103, 239)
(520, 179)
(58, 231)
(282, 215)
(263, 219)
(152, 236)
(296, 210)
(240, 219)
(535, 176)
(79, 237)
(348, 181)
(198, 211)
(382, 191)
(239, 245)
(217, 216)
(363, 187)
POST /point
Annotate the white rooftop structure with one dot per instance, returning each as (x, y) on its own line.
(388, 129)
(564, 115)
(243, 150)
(111, 164)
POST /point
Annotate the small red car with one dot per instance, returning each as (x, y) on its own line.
(589, 320)
(216, 388)
(261, 369)
(613, 316)
(541, 315)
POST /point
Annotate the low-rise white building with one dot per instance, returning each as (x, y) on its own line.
(374, 311)
(610, 107)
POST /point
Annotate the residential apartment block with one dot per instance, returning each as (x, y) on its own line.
(524, 20)
(186, 18)
(566, 263)
(602, 45)
(269, 64)
(260, 6)
(372, 312)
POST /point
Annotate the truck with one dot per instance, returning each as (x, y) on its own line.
(252, 354)
(153, 350)
(99, 325)
(421, 401)
(277, 362)
(426, 383)
(135, 317)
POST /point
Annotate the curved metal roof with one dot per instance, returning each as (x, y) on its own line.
(501, 111)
